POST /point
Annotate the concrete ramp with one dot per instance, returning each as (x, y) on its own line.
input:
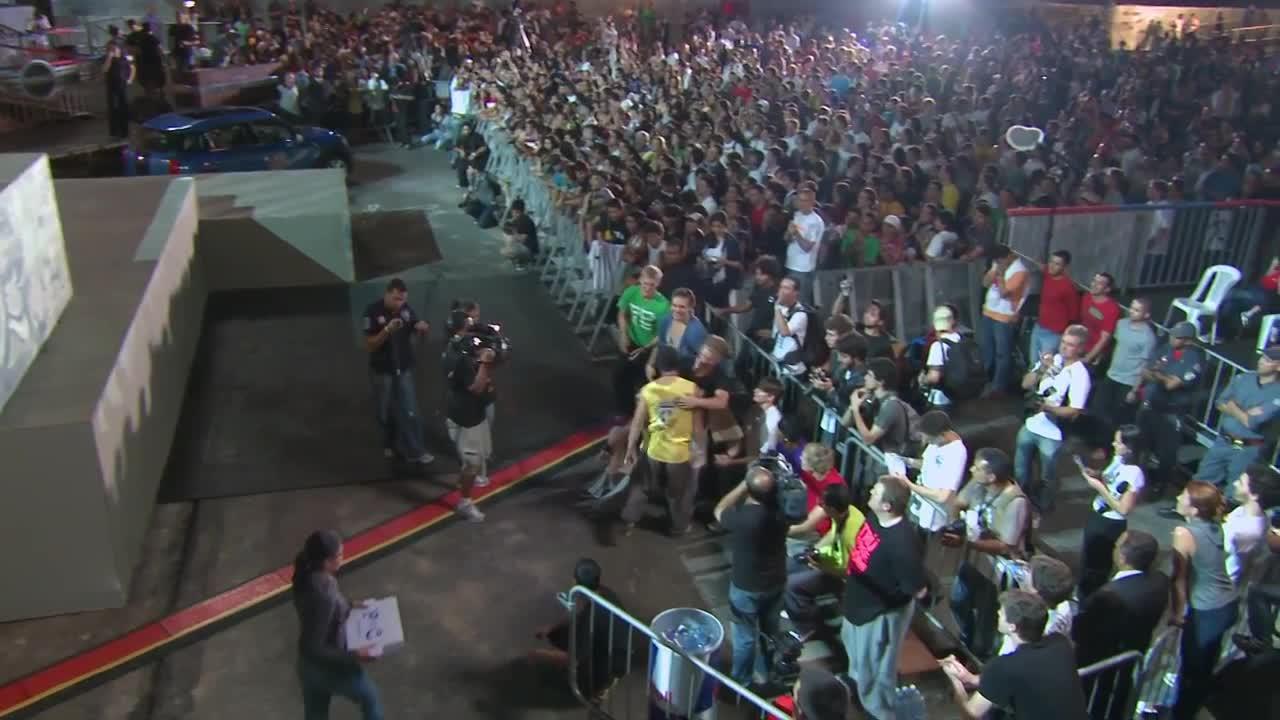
(275, 229)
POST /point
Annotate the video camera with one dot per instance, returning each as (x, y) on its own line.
(481, 336)
(792, 496)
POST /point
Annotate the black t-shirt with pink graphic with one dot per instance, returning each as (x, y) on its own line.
(885, 570)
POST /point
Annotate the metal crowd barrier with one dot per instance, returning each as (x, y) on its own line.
(583, 289)
(908, 292)
(1203, 417)
(1117, 238)
(622, 695)
(1102, 679)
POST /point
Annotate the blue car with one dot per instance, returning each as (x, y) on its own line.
(232, 139)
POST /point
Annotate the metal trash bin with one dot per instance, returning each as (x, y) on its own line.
(678, 690)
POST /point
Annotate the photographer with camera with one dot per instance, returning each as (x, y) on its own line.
(993, 525)
(468, 376)
(390, 325)
(826, 563)
(1060, 384)
(752, 515)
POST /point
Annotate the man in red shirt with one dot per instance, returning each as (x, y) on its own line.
(1059, 305)
(1099, 313)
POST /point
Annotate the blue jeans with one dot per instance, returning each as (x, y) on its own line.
(397, 406)
(975, 602)
(996, 342)
(1044, 493)
(1201, 643)
(754, 613)
(1225, 461)
(321, 682)
(1043, 341)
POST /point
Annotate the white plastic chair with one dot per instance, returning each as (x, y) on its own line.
(1270, 325)
(1214, 285)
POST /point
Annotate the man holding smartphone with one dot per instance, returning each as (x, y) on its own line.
(390, 325)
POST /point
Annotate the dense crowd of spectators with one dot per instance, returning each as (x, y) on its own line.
(764, 153)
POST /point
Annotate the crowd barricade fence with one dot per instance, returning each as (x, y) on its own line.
(1147, 246)
(586, 287)
(649, 676)
(582, 280)
(908, 292)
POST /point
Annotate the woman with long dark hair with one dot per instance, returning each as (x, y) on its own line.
(1118, 487)
(326, 666)
(1205, 598)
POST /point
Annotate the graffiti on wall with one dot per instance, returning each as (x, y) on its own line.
(35, 282)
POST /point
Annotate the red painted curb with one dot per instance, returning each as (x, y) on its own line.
(78, 668)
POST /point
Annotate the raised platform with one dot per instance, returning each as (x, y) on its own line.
(87, 433)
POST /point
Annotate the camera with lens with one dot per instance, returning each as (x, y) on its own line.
(791, 496)
(483, 336)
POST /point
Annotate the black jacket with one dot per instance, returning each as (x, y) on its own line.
(1121, 616)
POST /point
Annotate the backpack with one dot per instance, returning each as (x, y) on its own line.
(813, 351)
(963, 372)
(913, 446)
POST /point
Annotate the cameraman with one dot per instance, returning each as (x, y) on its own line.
(389, 327)
(463, 325)
(758, 553)
(828, 560)
(468, 377)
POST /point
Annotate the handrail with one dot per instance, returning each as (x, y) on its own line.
(761, 704)
(1137, 207)
(1111, 662)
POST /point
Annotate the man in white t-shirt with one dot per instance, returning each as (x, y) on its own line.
(790, 325)
(942, 470)
(767, 395)
(804, 237)
(1062, 383)
(944, 323)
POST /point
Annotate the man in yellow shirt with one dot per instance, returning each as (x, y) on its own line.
(672, 450)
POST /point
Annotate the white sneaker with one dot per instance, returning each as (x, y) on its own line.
(468, 510)
(482, 481)
(425, 458)
(784, 615)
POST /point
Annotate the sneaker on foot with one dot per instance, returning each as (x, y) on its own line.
(482, 481)
(784, 615)
(468, 510)
(425, 458)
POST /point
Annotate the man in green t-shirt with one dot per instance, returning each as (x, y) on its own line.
(640, 308)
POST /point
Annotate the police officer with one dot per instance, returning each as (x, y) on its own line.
(389, 327)
(1248, 405)
(1166, 391)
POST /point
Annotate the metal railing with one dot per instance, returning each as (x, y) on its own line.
(619, 696)
(907, 292)
(1145, 246)
(1112, 685)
